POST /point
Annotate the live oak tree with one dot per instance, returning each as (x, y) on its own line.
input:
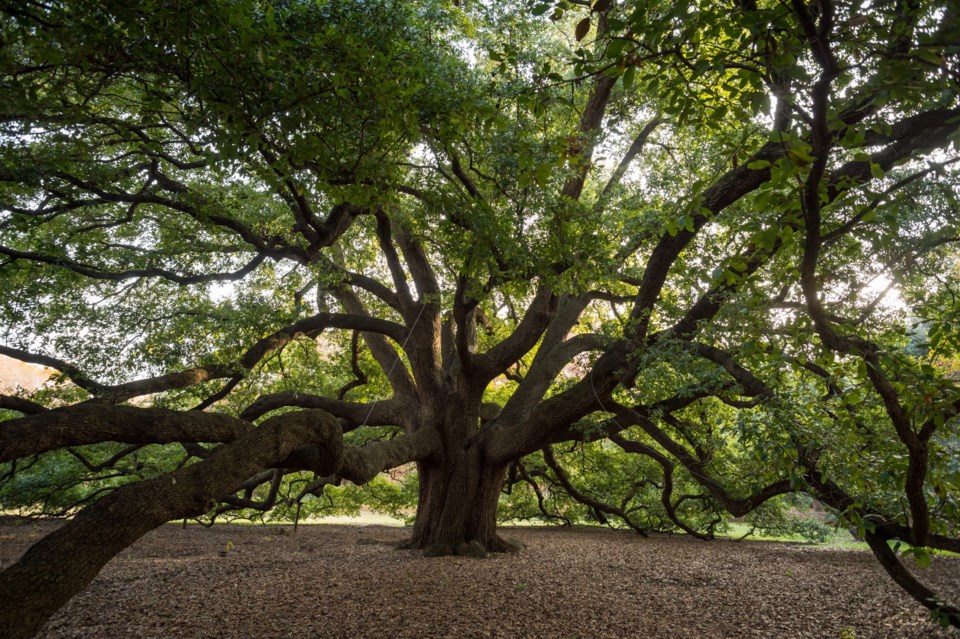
(320, 240)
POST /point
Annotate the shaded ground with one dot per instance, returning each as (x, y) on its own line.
(332, 581)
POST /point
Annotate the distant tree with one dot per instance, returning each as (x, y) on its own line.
(298, 243)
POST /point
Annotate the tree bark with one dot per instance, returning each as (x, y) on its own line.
(941, 611)
(457, 507)
(61, 564)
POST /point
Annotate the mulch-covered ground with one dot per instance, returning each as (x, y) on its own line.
(345, 581)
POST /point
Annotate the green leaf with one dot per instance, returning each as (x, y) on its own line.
(758, 164)
(616, 47)
(628, 77)
(540, 9)
(583, 28)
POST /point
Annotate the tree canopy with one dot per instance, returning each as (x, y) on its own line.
(667, 261)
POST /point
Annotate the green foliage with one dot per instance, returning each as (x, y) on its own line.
(164, 174)
(63, 481)
(774, 522)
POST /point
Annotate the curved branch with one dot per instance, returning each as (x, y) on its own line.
(21, 405)
(504, 441)
(381, 413)
(585, 499)
(190, 377)
(360, 465)
(61, 564)
(547, 364)
(350, 321)
(750, 383)
(383, 352)
(92, 423)
(910, 584)
(666, 495)
(831, 494)
(372, 286)
(541, 503)
(524, 337)
(118, 276)
(338, 221)
(359, 377)
(121, 392)
(696, 467)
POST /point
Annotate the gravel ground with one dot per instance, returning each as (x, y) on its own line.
(331, 581)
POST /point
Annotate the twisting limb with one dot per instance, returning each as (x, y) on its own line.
(90, 423)
(697, 467)
(881, 529)
(234, 502)
(666, 495)
(108, 463)
(379, 413)
(359, 377)
(190, 377)
(916, 444)
(585, 499)
(534, 322)
(21, 405)
(97, 273)
(65, 561)
(364, 283)
(830, 493)
(385, 354)
(910, 584)
(541, 503)
(555, 352)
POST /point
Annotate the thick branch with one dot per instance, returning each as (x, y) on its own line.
(65, 561)
(898, 572)
(381, 413)
(91, 423)
(385, 239)
(383, 352)
(21, 405)
(590, 122)
(524, 337)
(360, 465)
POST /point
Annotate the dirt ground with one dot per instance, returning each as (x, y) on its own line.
(331, 581)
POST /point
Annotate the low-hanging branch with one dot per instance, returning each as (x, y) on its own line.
(306, 440)
(568, 487)
(90, 423)
(191, 377)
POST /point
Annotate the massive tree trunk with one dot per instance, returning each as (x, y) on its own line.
(457, 506)
(459, 489)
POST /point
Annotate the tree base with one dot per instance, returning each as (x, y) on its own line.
(473, 548)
